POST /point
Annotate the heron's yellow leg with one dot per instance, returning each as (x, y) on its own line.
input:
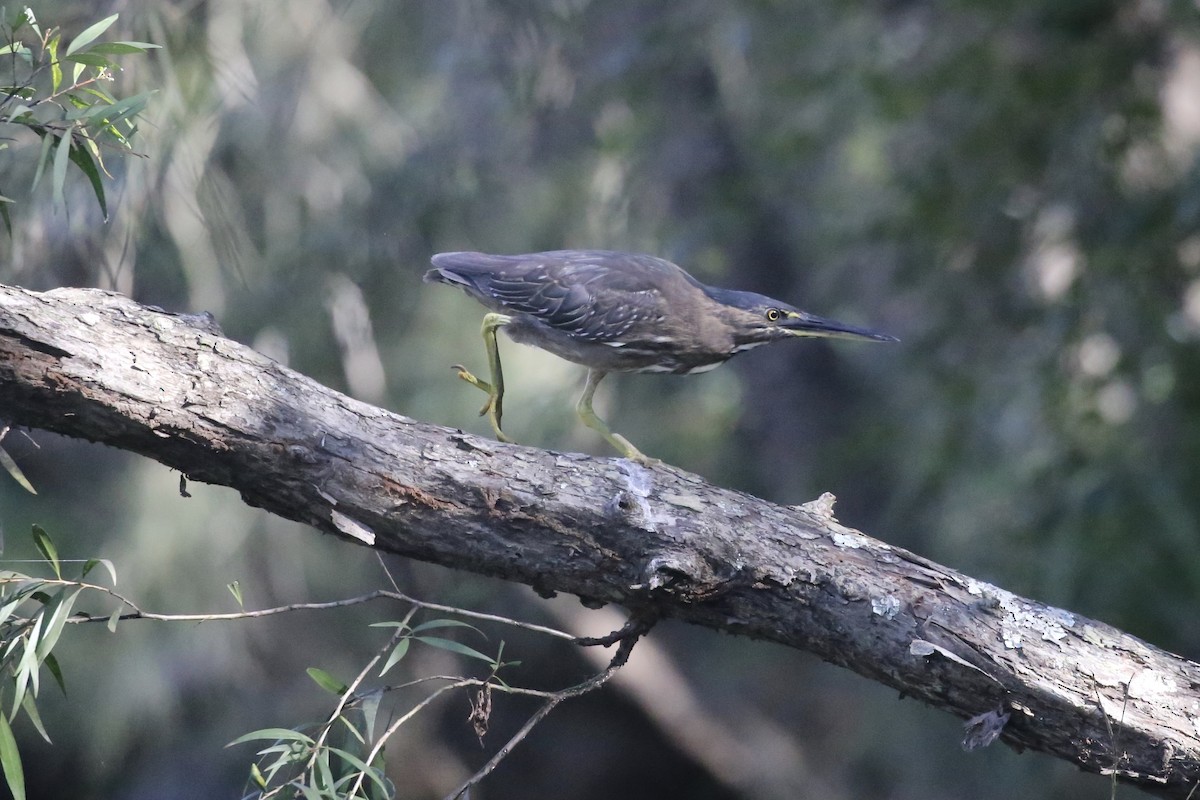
(494, 407)
(584, 409)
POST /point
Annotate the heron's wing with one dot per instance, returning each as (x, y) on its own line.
(590, 294)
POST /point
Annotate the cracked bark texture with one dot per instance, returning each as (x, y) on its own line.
(98, 366)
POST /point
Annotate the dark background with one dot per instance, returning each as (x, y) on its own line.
(1012, 189)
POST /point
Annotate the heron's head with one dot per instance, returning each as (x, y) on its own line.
(757, 319)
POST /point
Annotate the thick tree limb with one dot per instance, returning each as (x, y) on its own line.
(98, 366)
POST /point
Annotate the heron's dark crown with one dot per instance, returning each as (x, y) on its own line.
(746, 301)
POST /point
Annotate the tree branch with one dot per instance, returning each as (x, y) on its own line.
(660, 541)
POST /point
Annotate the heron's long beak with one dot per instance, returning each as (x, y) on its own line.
(804, 324)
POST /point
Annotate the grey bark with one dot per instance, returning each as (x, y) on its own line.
(98, 366)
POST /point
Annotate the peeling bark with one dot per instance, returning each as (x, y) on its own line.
(97, 366)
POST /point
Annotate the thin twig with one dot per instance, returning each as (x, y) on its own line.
(379, 594)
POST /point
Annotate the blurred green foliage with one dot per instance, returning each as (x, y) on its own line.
(1012, 189)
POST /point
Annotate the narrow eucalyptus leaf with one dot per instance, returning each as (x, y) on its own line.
(327, 681)
(31, 711)
(45, 546)
(454, 647)
(6, 460)
(90, 34)
(62, 157)
(10, 761)
(273, 735)
(81, 158)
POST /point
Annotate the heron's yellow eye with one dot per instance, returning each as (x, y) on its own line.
(773, 314)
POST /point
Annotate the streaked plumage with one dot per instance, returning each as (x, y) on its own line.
(621, 312)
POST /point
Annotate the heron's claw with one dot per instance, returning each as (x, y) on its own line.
(493, 408)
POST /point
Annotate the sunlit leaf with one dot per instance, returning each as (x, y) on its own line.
(10, 761)
(55, 65)
(257, 776)
(6, 460)
(7, 609)
(90, 34)
(29, 18)
(327, 681)
(46, 547)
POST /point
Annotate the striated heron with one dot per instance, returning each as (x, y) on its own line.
(617, 312)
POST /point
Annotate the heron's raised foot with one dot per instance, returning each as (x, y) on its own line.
(493, 407)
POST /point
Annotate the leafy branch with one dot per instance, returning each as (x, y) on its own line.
(75, 116)
(342, 757)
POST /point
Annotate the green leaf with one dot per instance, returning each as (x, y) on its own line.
(257, 776)
(358, 764)
(34, 717)
(114, 619)
(7, 220)
(28, 15)
(10, 761)
(273, 735)
(43, 157)
(122, 48)
(235, 589)
(398, 653)
(454, 647)
(27, 667)
(446, 623)
(90, 59)
(46, 547)
(22, 17)
(327, 681)
(62, 157)
(58, 620)
(7, 609)
(5, 459)
(90, 34)
(108, 565)
(83, 160)
(370, 710)
(55, 670)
